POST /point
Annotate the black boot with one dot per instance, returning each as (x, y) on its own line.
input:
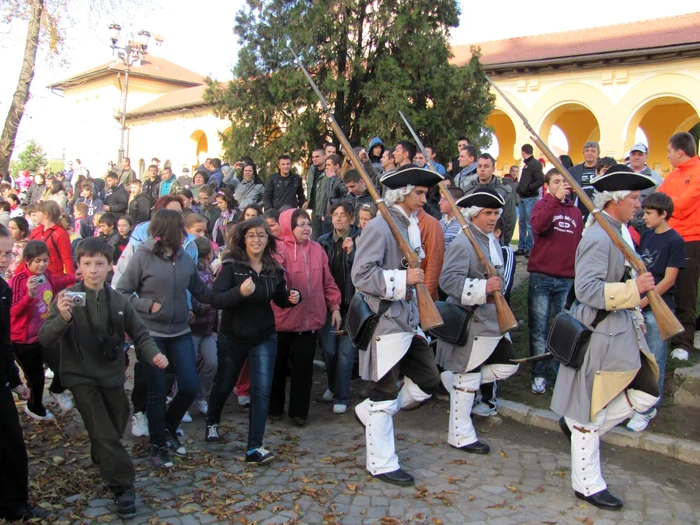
(125, 498)
(25, 513)
(565, 429)
(476, 448)
(397, 477)
(603, 500)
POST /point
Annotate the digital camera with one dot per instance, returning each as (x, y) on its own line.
(78, 298)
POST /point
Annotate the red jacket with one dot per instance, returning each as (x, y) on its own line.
(683, 186)
(307, 270)
(60, 253)
(22, 303)
(556, 230)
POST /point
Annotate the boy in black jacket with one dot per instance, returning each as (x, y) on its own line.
(91, 330)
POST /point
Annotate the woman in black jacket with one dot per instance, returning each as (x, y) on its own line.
(249, 279)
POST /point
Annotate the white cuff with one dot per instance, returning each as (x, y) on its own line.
(474, 292)
(395, 281)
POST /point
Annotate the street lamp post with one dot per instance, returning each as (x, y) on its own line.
(133, 50)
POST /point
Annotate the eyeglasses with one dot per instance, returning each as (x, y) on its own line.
(251, 236)
(7, 255)
(304, 225)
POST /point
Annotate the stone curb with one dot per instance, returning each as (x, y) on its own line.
(681, 449)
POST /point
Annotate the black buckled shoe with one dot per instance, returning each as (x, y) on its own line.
(397, 477)
(603, 500)
(565, 429)
(125, 499)
(475, 448)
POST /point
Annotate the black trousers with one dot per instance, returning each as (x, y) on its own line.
(105, 412)
(31, 359)
(687, 296)
(418, 364)
(300, 348)
(139, 394)
(14, 482)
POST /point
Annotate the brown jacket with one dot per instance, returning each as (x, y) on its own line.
(433, 243)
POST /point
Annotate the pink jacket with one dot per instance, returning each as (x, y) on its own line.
(307, 270)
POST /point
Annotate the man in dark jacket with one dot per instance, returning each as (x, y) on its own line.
(357, 192)
(313, 176)
(528, 188)
(116, 197)
(139, 204)
(283, 188)
(216, 178)
(584, 173)
(152, 185)
(14, 475)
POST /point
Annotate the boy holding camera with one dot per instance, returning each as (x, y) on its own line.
(90, 321)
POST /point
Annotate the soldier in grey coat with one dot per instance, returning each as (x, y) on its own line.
(619, 374)
(485, 178)
(487, 353)
(398, 344)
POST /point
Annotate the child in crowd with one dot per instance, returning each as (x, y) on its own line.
(15, 206)
(19, 228)
(272, 217)
(663, 251)
(204, 327)
(96, 221)
(4, 213)
(124, 226)
(228, 210)
(90, 333)
(107, 226)
(82, 224)
(250, 211)
(94, 204)
(366, 213)
(33, 289)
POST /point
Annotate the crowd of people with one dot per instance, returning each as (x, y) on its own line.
(223, 283)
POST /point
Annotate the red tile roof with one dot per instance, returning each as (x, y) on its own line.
(648, 34)
(151, 67)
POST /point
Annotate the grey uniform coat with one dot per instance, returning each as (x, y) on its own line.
(463, 279)
(510, 215)
(617, 345)
(378, 274)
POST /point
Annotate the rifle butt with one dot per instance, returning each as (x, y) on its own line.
(666, 321)
(506, 319)
(429, 315)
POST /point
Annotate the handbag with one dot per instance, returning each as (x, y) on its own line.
(361, 321)
(454, 327)
(568, 338)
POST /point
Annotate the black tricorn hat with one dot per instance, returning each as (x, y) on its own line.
(413, 175)
(621, 177)
(482, 198)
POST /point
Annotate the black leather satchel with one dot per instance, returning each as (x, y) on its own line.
(454, 326)
(361, 321)
(568, 338)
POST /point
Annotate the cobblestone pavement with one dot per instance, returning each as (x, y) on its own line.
(319, 477)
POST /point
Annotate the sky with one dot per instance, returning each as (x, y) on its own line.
(202, 40)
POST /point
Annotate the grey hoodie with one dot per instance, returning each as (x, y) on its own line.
(152, 279)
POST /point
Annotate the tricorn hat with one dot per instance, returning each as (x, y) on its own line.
(620, 177)
(482, 198)
(413, 175)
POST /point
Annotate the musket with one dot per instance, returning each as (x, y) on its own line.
(429, 316)
(506, 319)
(667, 322)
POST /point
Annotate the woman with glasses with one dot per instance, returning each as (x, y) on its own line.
(306, 264)
(249, 279)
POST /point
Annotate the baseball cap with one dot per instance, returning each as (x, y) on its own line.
(641, 147)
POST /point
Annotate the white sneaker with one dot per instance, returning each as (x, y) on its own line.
(48, 373)
(139, 424)
(639, 422)
(340, 408)
(202, 406)
(63, 401)
(539, 385)
(696, 340)
(484, 410)
(187, 418)
(327, 396)
(243, 401)
(48, 417)
(680, 353)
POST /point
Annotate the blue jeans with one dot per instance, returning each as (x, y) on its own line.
(339, 356)
(261, 361)
(657, 346)
(546, 297)
(525, 207)
(180, 353)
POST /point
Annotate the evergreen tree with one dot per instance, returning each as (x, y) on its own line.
(32, 158)
(370, 59)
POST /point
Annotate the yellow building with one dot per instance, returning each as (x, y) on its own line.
(597, 84)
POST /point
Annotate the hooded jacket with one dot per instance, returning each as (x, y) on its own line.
(150, 278)
(376, 160)
(328, 242)
(140, 208)
(307, 270)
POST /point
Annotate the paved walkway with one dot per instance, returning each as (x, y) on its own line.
(319, 477)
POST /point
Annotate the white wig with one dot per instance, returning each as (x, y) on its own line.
(472, 211)
(600, 199)
(391, 197)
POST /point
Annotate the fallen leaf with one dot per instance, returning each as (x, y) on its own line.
(58, 460)
(352, 486)
(503, 454)
(188, 509)
(498, 505)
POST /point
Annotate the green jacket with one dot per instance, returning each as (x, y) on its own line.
(82, 362)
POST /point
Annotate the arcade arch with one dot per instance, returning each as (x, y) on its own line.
(504, 136)
(578, 124)
(201, 145)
